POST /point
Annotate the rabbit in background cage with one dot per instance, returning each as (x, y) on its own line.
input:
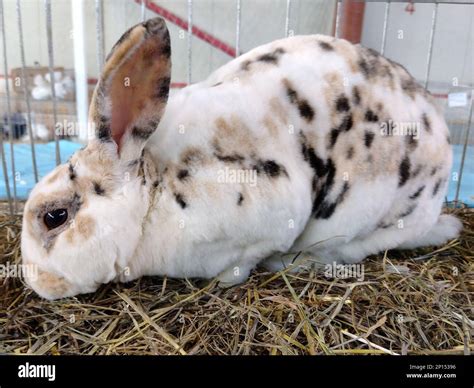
(63, 86)
(306, 144)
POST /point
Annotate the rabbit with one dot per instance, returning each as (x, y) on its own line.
(296, 145)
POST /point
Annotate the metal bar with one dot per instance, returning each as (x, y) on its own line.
(430, 47)
(49, 33)
(9, 112)
(190, 37)
(463, 155)
(5, 174)
(237, 29)
(99, 27)
(80, 68)
(385, 26)
(288, 16)
(143, 10)
(25, 89)
(338, 18)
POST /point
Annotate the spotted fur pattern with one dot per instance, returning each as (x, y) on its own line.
(281, 150)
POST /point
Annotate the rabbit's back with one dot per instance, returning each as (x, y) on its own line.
(341, 141)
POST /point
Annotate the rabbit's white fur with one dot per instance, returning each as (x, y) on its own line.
(302, 115)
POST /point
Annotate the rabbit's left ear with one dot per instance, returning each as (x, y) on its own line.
(132, 92)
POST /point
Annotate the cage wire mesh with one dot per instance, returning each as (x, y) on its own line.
(29, 123)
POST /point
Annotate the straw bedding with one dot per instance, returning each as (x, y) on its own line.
(409, 302)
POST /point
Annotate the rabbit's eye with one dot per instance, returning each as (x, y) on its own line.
(55, 218)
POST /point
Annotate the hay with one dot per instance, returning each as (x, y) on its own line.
(403, 306)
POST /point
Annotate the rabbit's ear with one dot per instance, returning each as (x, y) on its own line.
(132, 92)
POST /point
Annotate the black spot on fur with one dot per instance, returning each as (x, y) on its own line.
(436, 187)
(182, 174)
(272, 57)
(141, 170)
(408, 211)
(371, 116)
(448, 139)
(333, 137)
(179, 198)
(217, 84)
(426, 122)
(156, 184)
(163, 88)
(368, 138)
(434, 170)
(330, 173)
(355, 95)
(342, 104)
(140, 133)
(166, 50)
(326, 46)
(347, 123)
(309, 155)
(372, 64)
(350, 153)
(72, 173)
(404, 171)
(292, 96)
(270, 168)
(327, 209)
(417, 193)
(103, 129)
(240, 199)
(411, 87)
(364, 68)
(305, 110)
(98, 189)
(229, 158)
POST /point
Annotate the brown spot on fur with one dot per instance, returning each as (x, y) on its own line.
(232, 136)
(278, 110)
(350, 153)
(356, 95)
(271, 126)
(82, 226)
(52, 284)
(192, 155)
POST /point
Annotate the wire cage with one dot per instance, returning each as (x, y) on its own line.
(397, 302)
(61, 103)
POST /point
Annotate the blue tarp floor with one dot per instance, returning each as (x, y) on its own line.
(46, 161)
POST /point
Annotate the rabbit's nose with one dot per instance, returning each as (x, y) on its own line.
(47, 284)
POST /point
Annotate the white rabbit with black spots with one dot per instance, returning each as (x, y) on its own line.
(308, 143)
